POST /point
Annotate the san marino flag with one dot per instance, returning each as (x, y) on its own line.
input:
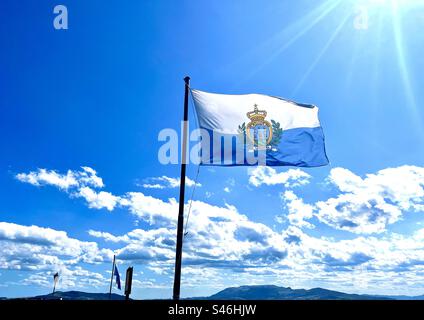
(252, 129)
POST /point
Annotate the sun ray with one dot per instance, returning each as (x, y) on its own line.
(377, 52)
(306, 23)
(403, 67)
(320, 54)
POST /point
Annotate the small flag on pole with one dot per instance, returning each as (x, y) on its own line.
(55, 281)
(117, 278)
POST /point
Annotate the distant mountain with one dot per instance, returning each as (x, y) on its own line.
(270, 292)
(76, 295)
(267, 292)
(406, 297)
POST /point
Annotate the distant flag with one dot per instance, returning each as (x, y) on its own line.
(114, 273)
(117, 277)
(55, 281)
(288, 133)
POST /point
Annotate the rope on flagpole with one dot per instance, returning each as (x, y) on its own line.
(197, 175)
(191, 200)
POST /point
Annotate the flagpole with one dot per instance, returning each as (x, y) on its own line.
(180, 225)
(54, 281)
(111, 278)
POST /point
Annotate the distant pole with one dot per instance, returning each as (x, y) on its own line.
(111, 278)
(55, 280)
(128, 282)
(180, 225)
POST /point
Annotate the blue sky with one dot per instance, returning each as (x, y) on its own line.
(95, 97)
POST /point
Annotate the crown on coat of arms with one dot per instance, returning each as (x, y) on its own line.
(257, 115)
(260, 133)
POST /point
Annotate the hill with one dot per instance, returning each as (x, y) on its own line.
(258, 292)
(270, 292)
(76, 295)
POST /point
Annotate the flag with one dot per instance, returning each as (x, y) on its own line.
(252, 129)
(55, 278)
(117, 277)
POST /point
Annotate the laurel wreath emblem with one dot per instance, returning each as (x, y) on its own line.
(277, 134)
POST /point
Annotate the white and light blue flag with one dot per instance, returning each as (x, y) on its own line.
(239, 129)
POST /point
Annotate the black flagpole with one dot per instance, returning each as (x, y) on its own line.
(179, 247)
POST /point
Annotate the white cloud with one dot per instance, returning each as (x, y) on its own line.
(107, 236)
(150, 209)
(298, 211)
(76, 183)
(221, 241)
(69, 278)
(167, 182)
(221, 238)
(37, 248)
(363, 205)
(145, 207)
(227, 189)
(72, 179)
(269, 176)
(368, 205)
(98, 200)
(44, 177)
(217, 236)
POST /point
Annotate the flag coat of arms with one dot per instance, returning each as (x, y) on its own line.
(235, 128)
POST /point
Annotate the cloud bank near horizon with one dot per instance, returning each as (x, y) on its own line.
(223, 241)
